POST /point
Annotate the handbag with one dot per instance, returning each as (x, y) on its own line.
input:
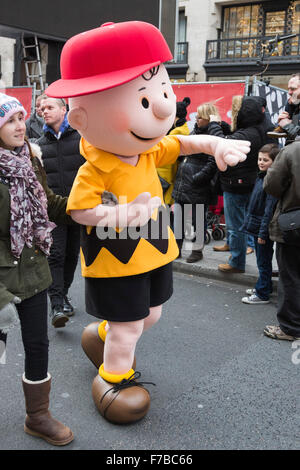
(289, 224)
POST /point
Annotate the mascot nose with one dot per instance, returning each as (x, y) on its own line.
(163, 109)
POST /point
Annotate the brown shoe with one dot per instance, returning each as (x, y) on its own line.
(221, 248)
(275, 332)
(93, 345)
(121, 403)
(277, 133)
(249, 250)
(39, 422)
(227, 268)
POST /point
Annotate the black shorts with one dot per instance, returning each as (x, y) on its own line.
(128, 298)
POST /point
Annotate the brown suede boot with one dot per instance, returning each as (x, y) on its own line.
(121, 403)
(92, 342)
(39, 422)
(195, 256)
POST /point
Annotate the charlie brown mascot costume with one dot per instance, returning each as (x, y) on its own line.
(122, 103)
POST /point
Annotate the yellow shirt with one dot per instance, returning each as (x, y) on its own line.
(117, 254)
(168, 172)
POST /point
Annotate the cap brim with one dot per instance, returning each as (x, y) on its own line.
(87, 85)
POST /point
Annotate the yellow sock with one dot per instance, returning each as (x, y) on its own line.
(114, 378)
(102, 331)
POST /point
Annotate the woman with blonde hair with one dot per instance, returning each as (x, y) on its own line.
(193, 181)
(235, 107)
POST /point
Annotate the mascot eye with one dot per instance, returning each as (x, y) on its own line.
(165, 95)
(145, 103)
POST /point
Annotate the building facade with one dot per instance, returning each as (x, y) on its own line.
(229, 40)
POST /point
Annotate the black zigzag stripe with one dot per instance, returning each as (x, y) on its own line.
(122, 245)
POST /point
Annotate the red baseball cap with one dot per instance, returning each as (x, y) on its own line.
(108, 56)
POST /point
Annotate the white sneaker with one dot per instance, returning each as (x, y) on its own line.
(250, 291)
(254, 299)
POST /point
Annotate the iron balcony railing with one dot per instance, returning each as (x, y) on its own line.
(246, 49)
(181, 53)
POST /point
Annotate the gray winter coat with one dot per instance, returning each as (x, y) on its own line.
(34, 128)
(283, 182)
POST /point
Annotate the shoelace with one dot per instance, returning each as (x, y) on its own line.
(126, 383)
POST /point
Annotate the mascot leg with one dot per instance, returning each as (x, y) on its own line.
(116, 393)
(153, 317)
(92, 342)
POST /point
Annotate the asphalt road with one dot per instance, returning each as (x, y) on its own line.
(220, 384)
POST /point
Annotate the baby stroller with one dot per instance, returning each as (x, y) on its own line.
(216, 227)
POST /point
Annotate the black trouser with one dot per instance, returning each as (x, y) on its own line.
(288, 313)
(33, 318)
(180, 239)
(63, 261)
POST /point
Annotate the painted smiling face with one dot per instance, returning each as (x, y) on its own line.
(129, 119)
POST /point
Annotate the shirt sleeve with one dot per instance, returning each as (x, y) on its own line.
(86, 190)
(168, 150)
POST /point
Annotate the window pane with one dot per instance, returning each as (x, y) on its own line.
(232, 23)
(296, 18)
(226, 23)
(243, 21)
(275, 23)
(182, 27)
(254, 20)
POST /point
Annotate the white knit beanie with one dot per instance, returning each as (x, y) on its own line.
(9, 105)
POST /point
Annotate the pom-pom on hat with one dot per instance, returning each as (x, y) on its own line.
(9, 105)
(181, 106)
(108, 56)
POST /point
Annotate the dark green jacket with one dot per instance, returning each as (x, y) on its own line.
(30, 274)
(283, 182)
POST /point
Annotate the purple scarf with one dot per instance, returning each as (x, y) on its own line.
(29, 221)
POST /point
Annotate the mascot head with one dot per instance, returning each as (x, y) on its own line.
(120, 96)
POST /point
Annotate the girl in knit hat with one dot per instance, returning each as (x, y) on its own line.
(26, 206)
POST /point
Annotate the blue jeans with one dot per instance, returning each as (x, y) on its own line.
(235, 206)
(264, 255)
(250, 241)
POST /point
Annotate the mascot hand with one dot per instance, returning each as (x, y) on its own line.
(138, 212)
(226, 151)
(134, 214)
(230, 152)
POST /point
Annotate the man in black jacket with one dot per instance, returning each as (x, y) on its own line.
(34, 125)
(61, 157)
(289, 119)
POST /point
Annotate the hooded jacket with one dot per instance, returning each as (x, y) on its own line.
(240, 179)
